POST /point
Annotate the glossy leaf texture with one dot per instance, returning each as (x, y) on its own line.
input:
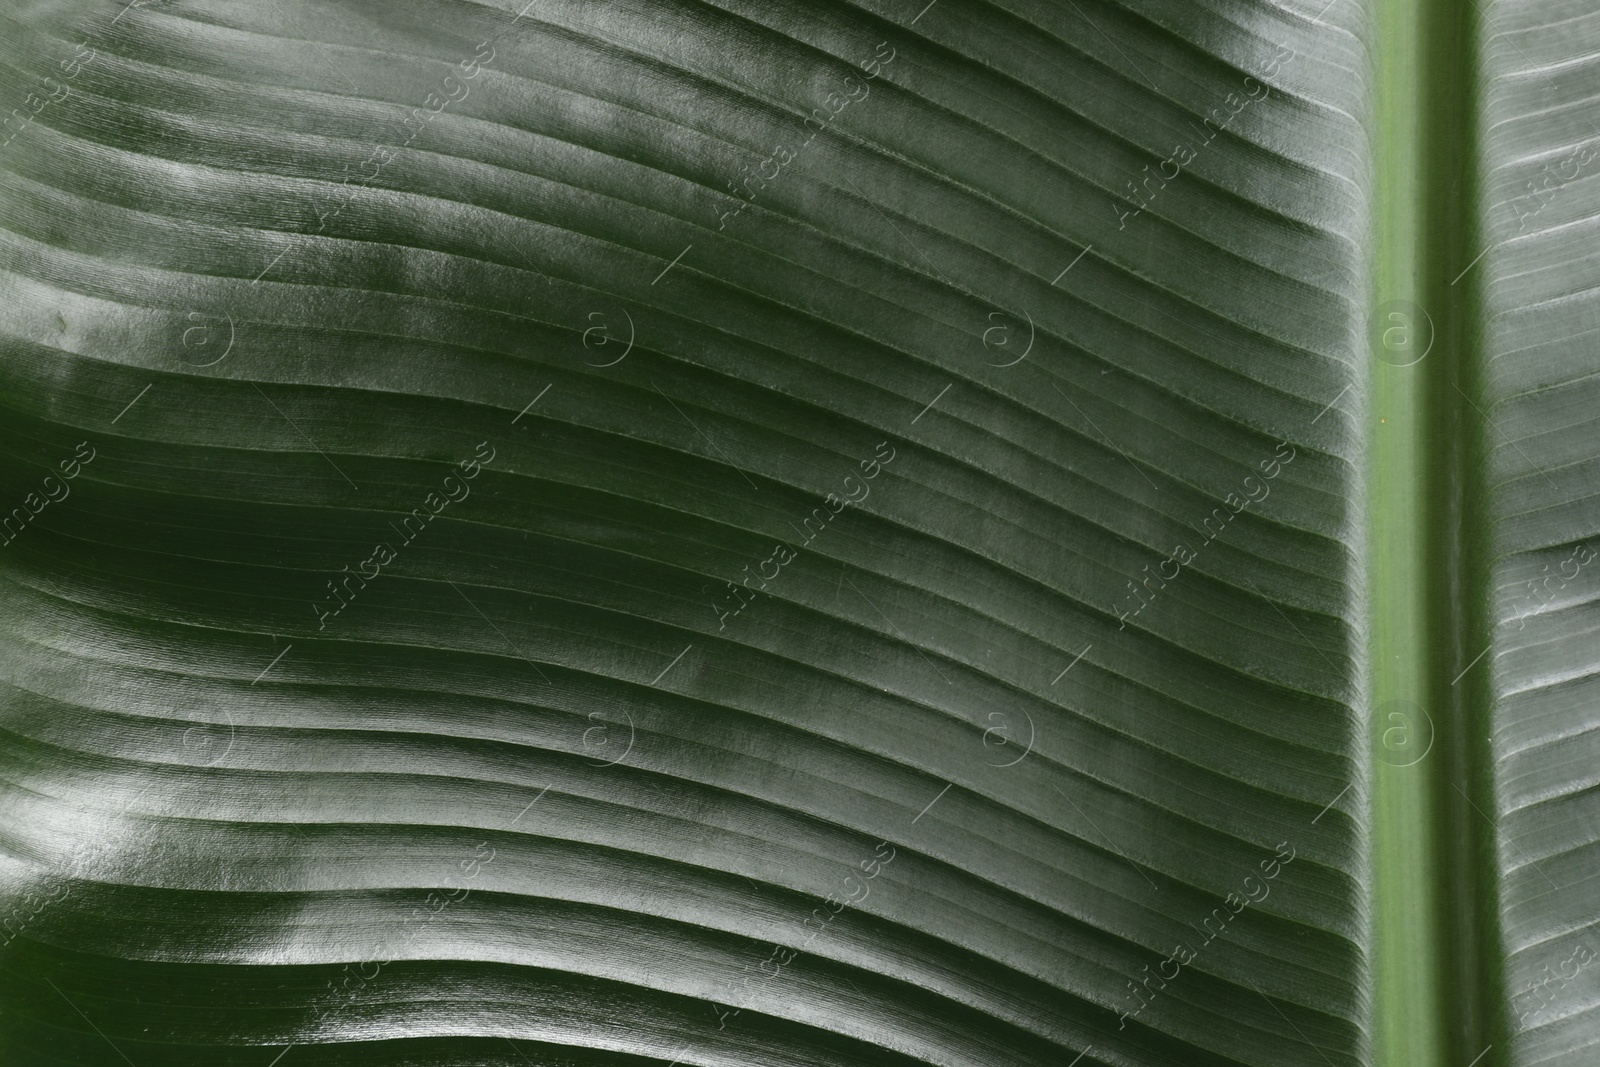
(1541, 203)
(661, 532)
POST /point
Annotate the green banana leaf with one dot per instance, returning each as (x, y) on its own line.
(799, 532)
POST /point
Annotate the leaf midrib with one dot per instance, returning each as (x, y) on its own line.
(1435, 972)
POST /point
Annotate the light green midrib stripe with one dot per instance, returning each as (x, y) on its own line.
(1432, 987)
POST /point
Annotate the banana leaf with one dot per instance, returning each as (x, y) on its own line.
(812, 533)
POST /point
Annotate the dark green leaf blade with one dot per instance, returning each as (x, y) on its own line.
(255, 801)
